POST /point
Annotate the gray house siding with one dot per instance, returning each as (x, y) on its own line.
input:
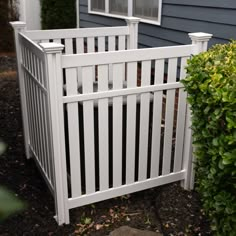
(178, 18)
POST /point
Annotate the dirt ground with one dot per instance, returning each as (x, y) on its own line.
(167, 209)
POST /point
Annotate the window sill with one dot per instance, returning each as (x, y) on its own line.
(124, 17)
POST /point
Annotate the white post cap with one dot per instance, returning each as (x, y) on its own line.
(51, 47)
(200, 36)
(18, 24)
(132, 20)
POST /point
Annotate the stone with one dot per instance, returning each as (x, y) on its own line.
(128, 231)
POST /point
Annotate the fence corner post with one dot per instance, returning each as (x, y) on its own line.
(201, 41)
(54, 78)
(20, 27)
(132, 23)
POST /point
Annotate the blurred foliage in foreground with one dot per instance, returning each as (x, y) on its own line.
(9, 203)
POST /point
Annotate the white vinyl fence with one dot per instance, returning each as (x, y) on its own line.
(101, 117)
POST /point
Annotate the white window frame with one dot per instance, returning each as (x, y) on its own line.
(130, 12)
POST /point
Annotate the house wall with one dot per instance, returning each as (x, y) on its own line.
(29, 12)
(178, 18)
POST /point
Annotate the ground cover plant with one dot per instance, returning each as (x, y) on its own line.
(211, 85)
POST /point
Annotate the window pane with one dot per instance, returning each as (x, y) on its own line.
(98, 5)
(119, 7)
(146, 9)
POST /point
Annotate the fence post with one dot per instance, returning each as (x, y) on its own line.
(54, 79)
(132, 23)
(201, 42)
(19, 27)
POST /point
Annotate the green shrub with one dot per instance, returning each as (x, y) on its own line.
(211, 85)
(58, 14)
(8, 12)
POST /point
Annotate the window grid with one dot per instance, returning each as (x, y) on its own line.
(150, 12)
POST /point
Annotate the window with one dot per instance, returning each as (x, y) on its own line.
(119, 7)
(98, 5)
(148, 10)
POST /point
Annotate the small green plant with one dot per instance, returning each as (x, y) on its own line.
(211, 87)
(58, 14)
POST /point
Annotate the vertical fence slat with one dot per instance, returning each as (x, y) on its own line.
(157, 117)
(111, 47)
(43, 134)
(43, 79)
(117, 77)
(41, 97)
(91, 48)
(103, 128)
(180, 120)
(27, 92)
(144, 121)
(36, 121)
(121, 41)
(90, 44)
(111, 43)
(45, 118)
(88, 109)
(101, 44)
(47, 139)
(44, 41)
(169, 117)
(28, 95)
(73, 126)
(34, 114)
(47, 128)
(68, 46)
(39, 111)
(79, 49)
(32, 123)
(37, 103)
(57, 41)
(80, 45)
(131, 123)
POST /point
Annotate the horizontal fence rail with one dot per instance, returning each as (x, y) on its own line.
(69, 61)
(76, 33)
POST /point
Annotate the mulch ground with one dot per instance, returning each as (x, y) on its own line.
(167, 209)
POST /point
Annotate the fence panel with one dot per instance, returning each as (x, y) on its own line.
(83, 40)
(36, 87)
(140, 119)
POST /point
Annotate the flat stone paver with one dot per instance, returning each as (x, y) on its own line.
(128, 231)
